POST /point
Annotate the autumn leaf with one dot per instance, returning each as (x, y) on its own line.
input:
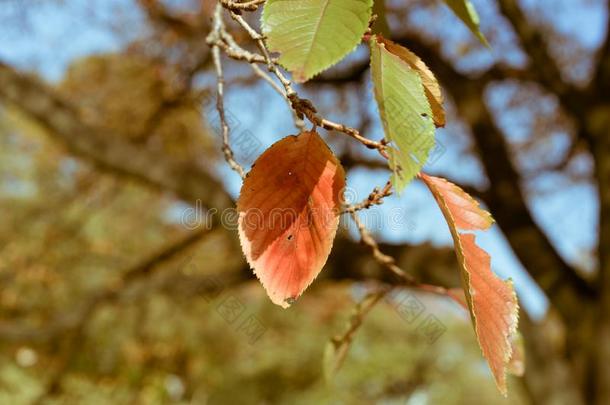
(289, 208)
(492, 302)
(516, 366)
(431, 87)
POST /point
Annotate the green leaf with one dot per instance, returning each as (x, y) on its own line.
(313, 35)
(467, 13)
(404, 109)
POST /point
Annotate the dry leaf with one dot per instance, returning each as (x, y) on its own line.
(289, 209)
(492, 302)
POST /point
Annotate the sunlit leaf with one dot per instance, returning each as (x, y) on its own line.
(404, 109)
(289, 208)
(516, 366)
(492, 302)
(431, 86)
(313, 35)
(467, 13)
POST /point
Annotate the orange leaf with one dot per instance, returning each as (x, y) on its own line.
(289, 209)
(431, 87)
(463, 210)
(492, 302)
(517, 361)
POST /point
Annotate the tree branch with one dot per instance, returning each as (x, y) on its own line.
(601, 78)
(106, 150)
(76, 320)
(543, 68)
(542, 64)
(420, 259)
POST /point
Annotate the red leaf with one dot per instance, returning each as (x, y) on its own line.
(289, 209)
(492, 302)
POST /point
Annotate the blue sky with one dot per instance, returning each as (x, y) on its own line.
(48, 37)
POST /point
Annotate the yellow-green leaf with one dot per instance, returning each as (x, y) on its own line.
(431, 86)
(313, 35)
(404, 110)
(467, 13)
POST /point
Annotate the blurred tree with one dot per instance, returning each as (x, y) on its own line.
(104, 301)
(132, 96)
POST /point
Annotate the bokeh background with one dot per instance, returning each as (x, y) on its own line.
(114, 289)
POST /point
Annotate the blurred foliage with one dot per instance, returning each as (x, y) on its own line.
(71, 231)
(163, 350)
(136, 97)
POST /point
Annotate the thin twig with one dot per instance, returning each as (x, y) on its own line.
(342, 343)
(304, 107)
(260, 43)
(226, 147)
(299, 123)
(375, 198)
(390, 263)
(235, 6)
(387, 261)
(239, 53)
